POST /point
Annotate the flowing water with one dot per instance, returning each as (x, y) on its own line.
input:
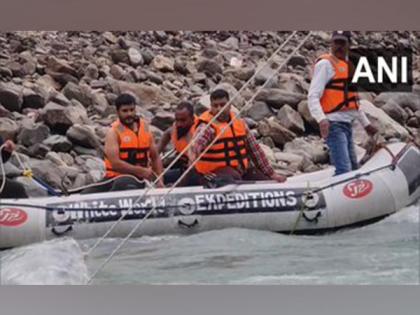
(383, 253)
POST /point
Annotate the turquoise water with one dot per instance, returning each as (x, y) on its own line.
(383, 253)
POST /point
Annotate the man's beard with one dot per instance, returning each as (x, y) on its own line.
(182, 131)
(128, 120)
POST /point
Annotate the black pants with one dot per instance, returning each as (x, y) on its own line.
(13, 189)
(224, 176)
(120, 183)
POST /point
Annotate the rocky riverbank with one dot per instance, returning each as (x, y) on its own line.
(57, 91)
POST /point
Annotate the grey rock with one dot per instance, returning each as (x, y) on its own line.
(163, 64)
(135, 57)
(147, 55)
(83, 136)
(313, 148)
(82, 93)
(276, 98)
(395, 111)
(58, 143)
(297, 61)
(60, 118)
(119, 56)
(259, 110)
(11, 96)
(291, 120)
(271, 128)
(31, 133)
(34, 99)
(8, 128)
(209, 67)
(265, 74)
(163, 120)
(38, 150)
(80, 150)
(306, 114)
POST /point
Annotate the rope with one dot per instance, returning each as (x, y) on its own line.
(302, 208)
(195, 137)
(313, 191)
(122, 243)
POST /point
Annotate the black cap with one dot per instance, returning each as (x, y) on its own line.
(344, 35)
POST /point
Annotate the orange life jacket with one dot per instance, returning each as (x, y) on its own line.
(337, 96)
(134, 148)
(181, 143)
(228, 150)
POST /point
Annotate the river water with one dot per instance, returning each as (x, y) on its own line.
(386, 252)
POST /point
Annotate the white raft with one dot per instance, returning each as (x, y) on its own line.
(306, 204)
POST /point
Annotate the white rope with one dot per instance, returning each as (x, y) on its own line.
(195, 137)
(192, 164)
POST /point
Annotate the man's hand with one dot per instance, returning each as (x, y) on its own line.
(9, 146)
(160, 184)
(278, 178)
(145, 173)
(324, 127)
(371, 130)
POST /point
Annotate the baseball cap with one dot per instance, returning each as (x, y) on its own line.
(345, 35)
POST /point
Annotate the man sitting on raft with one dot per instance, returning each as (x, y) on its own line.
(180, 135)
(230, 157)
(131, 155)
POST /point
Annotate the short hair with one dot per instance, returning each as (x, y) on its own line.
(218, 94)
(186, 105)
(124, 99)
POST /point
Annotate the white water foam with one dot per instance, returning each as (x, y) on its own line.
(58, 261)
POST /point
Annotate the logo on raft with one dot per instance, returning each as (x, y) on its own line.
(12, 217)
(358, 188)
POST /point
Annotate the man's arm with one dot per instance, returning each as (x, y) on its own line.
(112, 152)
(166, 138)
(259, 158)
(322, 74)
(156, 160)
(8, 148)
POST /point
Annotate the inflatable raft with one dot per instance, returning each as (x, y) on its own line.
(306, 204)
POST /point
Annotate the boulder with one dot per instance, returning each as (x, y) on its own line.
(32, 133)
(83, 136)
(290, 119)
(306, 114)
(81, 93)
(209, 67)
(163, 64)
(147, 94)
(11, 96)
(276, 98)
(135, 57)
(60, 118)
(163, 120)
(259, 110)
(387, 126)
(267, 73)
(58, 143)
(395, 111)
(313, 148)
(8, 128)
(272, 128)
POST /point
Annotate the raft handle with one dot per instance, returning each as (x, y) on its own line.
(314, 219)
(188, 225)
